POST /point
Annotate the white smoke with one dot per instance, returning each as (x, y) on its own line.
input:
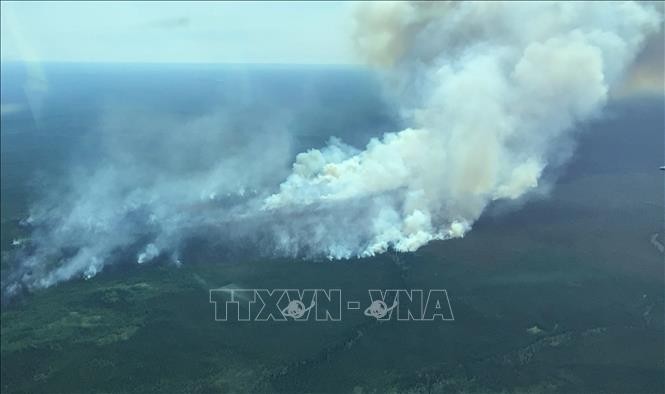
(492, 92)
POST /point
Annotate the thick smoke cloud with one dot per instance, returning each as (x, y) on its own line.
(491, 91)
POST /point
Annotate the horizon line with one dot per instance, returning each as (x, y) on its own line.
(10, 61)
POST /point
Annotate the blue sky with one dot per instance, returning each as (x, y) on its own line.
(226, 32)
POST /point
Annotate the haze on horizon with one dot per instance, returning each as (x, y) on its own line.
(176, 32)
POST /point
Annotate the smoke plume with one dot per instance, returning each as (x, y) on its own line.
(491, 91)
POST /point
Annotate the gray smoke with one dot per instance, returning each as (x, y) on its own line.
(491, 91)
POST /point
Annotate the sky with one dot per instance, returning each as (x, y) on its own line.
(177, 32)
(269, 32)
